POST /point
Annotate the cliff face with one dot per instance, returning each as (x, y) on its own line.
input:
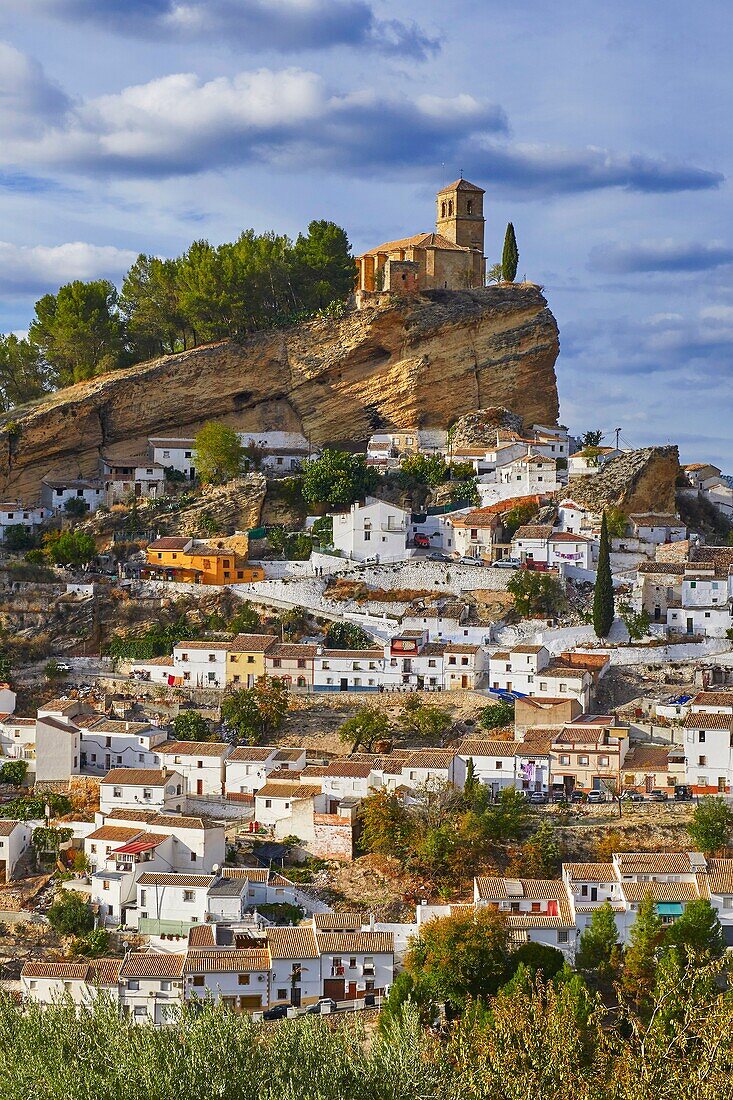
(636, 482)
(403, 363)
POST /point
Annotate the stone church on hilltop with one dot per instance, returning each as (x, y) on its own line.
(452, 258)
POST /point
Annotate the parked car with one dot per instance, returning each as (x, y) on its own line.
(422, 540)
(319, 1006)
(577, 796)
(507, 563)
(658, 795)
(632, 796)
(470, 561)
(437, 556)
(63, 668)
(683, 793)
(537, 798)
(560, 796)
(595, 797)
(277, 1012)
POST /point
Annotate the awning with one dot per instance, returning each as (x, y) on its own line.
(669, 908)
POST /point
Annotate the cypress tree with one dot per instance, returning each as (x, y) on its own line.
(510, 255)
(603, 594)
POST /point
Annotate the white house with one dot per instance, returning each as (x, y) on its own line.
(174, 454)
(476, 533)
(107, 743)
(658, 527)
(151, 986)
(237, 978)
(708, 747)
(295, 968)
(171, 898)
(58, 748)
(201, 664)
(531, 473)
(126, 476)
(15, 514)
(278, 453)
(161, 790)
(18, 739)
(15, 839)
(412, 661)
(464, 666)
(539, 544)
(347, 779)
(348, 669)
(528, 670)
(705, 605)
(426, 767)
(201, 763)
(494, 762)
(247, 767)
(54, 982)
(589, 460)
(540, 908)
(275, 802)
(374, 530)
(56, 492)
(198, 842)
(577, 520)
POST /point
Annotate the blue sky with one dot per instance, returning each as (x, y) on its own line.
(601, 131)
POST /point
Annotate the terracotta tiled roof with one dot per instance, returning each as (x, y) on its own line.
(201, 935)
(720, 876)
(69, 971)
(461, 185)
(529, 649)
(460, 647)
(430, 758)
(7, 825)
(646, 756)
(170, 543)
(138, 777)
(660, 891)
(285, 755)
(105, 971)
(473, 747)
(244, 960)
(371, 943)
(147, 964)
(702, 720)
(164, 821)
(117, 833)
(713, 699)
(348, 769)
(251, 755)
(419, 240)
(655, 863)
(292, 651)
(287, 790)
(194, 748)
(292, 943)
(252, 643)
(213, 646)
(533, 531)
(155, 878)
(340, 920)
(590, 872)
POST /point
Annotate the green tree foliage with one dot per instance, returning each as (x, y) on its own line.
(517, 516)
(598, 942)
(497, 716)
(17, 539)
(494, 273)
(386, 824)
(603, 602)
(218, 453)
(697, 932)
(23, 373)
(712, 825)
(344, 635)
(150, 304)
(337, 479)
(322, 531)
(592, 438)
(70, 914)
(190, 725)
(34, 806)
(539, 855)
(617, 523)
(323, 266)
(245, 620)
(75, 507)
(6, 668)
(157, 641)
(425, 470)
(251, 713)
(78, 331)
(538, 958)
(364, 728)
(640, 960)
(510, 255)
(94, 945)
(459, 957)
(424, 719)
(14, 772)
(536, 593)
(637, 623)
(70, 548)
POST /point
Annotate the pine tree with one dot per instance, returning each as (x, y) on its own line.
(603, 595)
(510, 255)
(597, 943)
(640, 961)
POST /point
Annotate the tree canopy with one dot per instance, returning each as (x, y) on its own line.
(218, 452)
(337, 479)
(712, 824)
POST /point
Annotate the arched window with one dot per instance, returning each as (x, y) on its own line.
(301, 681)
(442, 210)
(450, 208)
(469, 206)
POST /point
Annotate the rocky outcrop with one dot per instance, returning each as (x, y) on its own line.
(405, 362)
(636, 482)
(478, 429)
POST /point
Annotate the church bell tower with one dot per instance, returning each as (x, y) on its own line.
(460, 215)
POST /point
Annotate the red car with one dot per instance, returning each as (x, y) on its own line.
(422, 540)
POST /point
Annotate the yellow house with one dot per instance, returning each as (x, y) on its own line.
(183, 559)
(246, 658)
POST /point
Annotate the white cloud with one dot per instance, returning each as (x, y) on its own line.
(42, 268)
(28, 99)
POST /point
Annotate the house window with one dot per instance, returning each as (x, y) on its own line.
(276, 662)
(702, 761)
(198, 980)
(142, 896)
(282, 994)
(562, 936)
(133, 984)
(243, 979)
(268, 803)
(117, 792)
(189, 895)
(583, 761)
(701, 737)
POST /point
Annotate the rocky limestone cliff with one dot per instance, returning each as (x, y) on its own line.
(636, 482)
(407, 362)
(478, 429)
